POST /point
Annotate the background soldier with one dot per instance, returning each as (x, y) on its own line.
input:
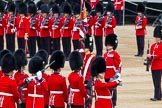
(156, 62)
(119, 5)
(140, 26)
(98, 29)
(10, 27)
(109, 20)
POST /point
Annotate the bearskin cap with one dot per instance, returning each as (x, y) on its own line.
(2, 53)
(55, 8)
(44, 55)
(98, 66)
(110, 7)
(44, 8)
(75, 61)
(67, 8)
(158, 32)
(112, 40)
(99, 7)
(76, 9)
(39, 5)
(21, 59)
(141, 8)
(88, 6)
(32, 9)
(57, 59)
(8, 63)
(35, 64)
(22, 8)
(11, 7)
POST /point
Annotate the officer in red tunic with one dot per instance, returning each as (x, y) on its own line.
(36, 85)
(77, 89)
(2, 53)
(10, 27)
(98, 29)
(57, 83)
(119, 5)
(109, 20)
(44, 55)
(2, 26)
(22, 26)
(21, 62)
(56, 24)
(89, 39)
(88, 80)
(77, 28)
(156, 62)
(39, 14)
(102, 88)
(45, 28)
(32, 35)
(66, 30)
(140, 26)
(113, 62)
(9, 94)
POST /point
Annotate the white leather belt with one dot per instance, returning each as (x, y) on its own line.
(35, 95)
(5, 94)
(24, 89)
(111, 67)
(56, 92)
(74, 90)
(104, 97)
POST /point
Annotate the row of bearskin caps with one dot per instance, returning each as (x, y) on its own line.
(74, 8)
(16, 61)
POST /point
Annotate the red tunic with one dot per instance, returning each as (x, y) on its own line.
(58, 90)
(38, 29)
(22, 26)
(93, 3)
(18, 77)
(1, 73)
(46, 95)
(56, 30)
(90, 24)
(103, 91)
(156, 51)
(98, 29)
(88, 59)
(109, 30)
(142, 31)
(2, 24)
(76, 30)
(44, 32)
(9, 94)
(77, 89)
(10, 24)
(118, 4)
(67, 32)
(113, 63)
(33, 26)
(36, 91)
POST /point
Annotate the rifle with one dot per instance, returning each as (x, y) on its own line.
(45, 21)
(99, 19)
(139, 22)
(57, 21)
(67, 20)
(109, 19)
(147, 61)
(32, 22)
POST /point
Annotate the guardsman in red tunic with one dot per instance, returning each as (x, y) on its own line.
(45, 28)
(77, 89)
(156, 62)
(89, 39)
(2, 26)
(21, 62)
(119, 5)
(32, 35)
(66, 30)
(44, 55)
(113, 62)
(39, 14)
(2, 53)
(22, 26)
(78, 31)
(87, 78)
(10, 27)
(57, 83)
(9, 94)
(140, 26)
(36, 85)
(98, 29)
(102, 88)
(109, 20)
(56, 24)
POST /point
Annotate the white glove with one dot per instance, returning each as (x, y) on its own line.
(39, 75)
(117, 75)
